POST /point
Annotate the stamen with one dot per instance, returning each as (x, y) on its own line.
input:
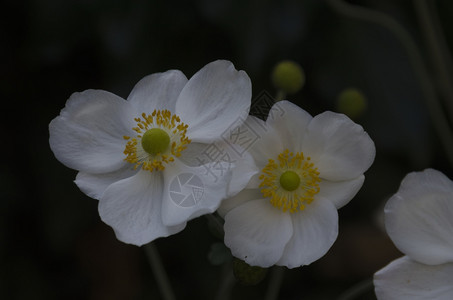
(291, 183)
(150, 148)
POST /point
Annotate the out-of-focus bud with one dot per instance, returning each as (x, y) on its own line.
(351, 102)
(288, 77)
(219, 254)
(246, 274)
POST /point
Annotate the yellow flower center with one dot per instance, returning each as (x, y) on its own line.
(160, 138)
(291, 183)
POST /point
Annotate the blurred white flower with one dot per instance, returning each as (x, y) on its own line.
(311, 166)
(419, 220)
(128, 153)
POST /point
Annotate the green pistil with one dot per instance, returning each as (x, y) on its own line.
(289, 180)
(155, 141)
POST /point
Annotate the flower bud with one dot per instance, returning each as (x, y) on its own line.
(288, 77)
(219, 254)
(351, 102)
(246, 274)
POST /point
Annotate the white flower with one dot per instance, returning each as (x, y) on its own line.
(419, 220)
(311, 166)
(139, 157)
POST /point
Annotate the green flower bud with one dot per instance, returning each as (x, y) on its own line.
(246, 274)
(219, 254)
(351, 102)
(288, 77)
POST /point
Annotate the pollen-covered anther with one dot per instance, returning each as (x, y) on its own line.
(291, 183)
(160, 137)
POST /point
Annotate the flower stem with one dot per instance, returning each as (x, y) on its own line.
(216, 221)
(438, 118)
(357, 290)
(437, 48)
(275, 283)
(227, 283)
(281, 95)
(159, 272)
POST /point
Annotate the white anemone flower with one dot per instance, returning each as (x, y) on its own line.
(419, 220)
(138, 156)
(310, 167)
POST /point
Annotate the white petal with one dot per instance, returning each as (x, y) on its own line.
(340, 149)
(340, 192)
(88, 133)
(132, 207)
(239, 199)
(190, 192)
(315, 229)
(94, 185)
(157, 91)
(429, 181)
(419, 217)
(240, 161)
(254, 182)
(193, 155)
(257, 232)
(244, 169)
(213, 100)
(407, 279)
(290, 121)
(264, 142)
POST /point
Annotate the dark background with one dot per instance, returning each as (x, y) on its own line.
(52, 242)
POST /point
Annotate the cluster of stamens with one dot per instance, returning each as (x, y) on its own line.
(291, 182)
(152, 151)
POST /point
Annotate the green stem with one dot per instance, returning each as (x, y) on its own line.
(357, 290)
(227, 283)
(281, 95)
(159, 271)
(438, 50)
(438, 118)
(217, 222)
(275, 282)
